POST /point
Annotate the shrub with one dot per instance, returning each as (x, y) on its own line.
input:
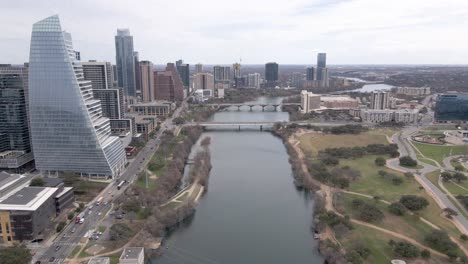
(397, 180)
(70, 216)
(37, 181)
(120, 231)
(439, 240)
(463, 237)
(405, 249)
(367, 212)
(413, 202)
(397, 208)
(425, 254)
(379, 161)
(60, 227)
(407, 161)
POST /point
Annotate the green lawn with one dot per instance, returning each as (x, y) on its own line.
(101, 229)
(141, 181)
(438, 153)
(312, 143)
(372, 183)
(456, 163)
(456, 188)
(425, 160)
(434, 177)
(74, 251)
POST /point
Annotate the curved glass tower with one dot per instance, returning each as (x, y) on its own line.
(68, 130)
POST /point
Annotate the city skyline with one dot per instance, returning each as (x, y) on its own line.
(289, 33)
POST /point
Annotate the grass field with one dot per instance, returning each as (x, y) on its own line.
(314, 142)
(438, 153)
(372, 183)
(433, 177)
(456, 163)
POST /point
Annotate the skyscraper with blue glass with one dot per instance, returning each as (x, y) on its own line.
(125, 58)
(68, 130)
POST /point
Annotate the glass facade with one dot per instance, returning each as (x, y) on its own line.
(125, 59)
(451, 108)
(68, 130)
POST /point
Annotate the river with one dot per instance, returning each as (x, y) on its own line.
(252, 212)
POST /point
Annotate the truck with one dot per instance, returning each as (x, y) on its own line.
(99, 201)
(79, 217)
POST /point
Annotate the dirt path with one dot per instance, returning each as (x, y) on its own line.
(328, 192)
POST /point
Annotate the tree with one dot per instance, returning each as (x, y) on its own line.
(446, 176)
(379, 161)
(405, 249)
(120, 231)
(407, 161)
(439, 240)
(425, 254)
(409, 175)
(367, 212)
(17, 254)
(459, 167)
(178, 121)
(353, 257)
(70, 216)
(38, 181)
(449, 212)
(60, 227)
(397, 180)
(459, 177)
(463, 237)
(397, 208)
(414, 202)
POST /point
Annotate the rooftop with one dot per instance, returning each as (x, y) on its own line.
(154, 103)
(99, 260)
(131, 253)
(331, 98)
(27, 199)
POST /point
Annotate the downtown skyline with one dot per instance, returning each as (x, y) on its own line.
(353, 32)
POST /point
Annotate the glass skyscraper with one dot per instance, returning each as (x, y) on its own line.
(68, 130)
(125, 60)
(451, 108)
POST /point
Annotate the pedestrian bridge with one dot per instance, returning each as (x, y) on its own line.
(257, 125)
(250, 107)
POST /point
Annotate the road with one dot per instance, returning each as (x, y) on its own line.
(406, 149)
(67, 240)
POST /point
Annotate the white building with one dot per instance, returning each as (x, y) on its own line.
(414, 91)
(132, 255)
(387, 115)
(379, 100)
(253, 80)
(309, 101)
(202, 95)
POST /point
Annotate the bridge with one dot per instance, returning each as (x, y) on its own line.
(271, 107)
(262, 125)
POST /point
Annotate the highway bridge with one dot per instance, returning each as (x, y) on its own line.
(261, 125)
(265, 107)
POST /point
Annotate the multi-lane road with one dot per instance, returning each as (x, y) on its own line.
(73, 233)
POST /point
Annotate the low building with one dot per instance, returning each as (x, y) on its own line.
(202, 95)
(11, 182)
(99, 260)
(144, 124)
(339, 102)
(388, 115)
(132, 255)
(155, 108)
(309, 101)
(451, 108)
(414, 91)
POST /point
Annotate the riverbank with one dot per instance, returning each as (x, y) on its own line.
(335, 222)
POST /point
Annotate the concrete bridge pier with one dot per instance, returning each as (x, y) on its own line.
(261, 127)
(251, 106)
(263, 108)
(239, 127)
(238, 107)
(276, 107)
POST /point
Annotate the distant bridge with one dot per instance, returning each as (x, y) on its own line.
(271, 107)
(261, 125)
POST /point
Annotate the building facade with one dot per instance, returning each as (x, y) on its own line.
(297, 78)
(184, 72)
(68, 130)
(15, 141)
(156, 108)
(451, 108)
(132, 255)
(198, 68)
(379, 100)
(99, 73)
(339, 102)
(222, 77)
(310, 73)
(112, 102)
(147, 81)
(125, 62)
(387, 115)
(271, 74)
(203, 81)
(309, 102)
(414, 91)
(168, 85)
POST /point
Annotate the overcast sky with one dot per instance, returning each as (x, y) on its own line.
(258, 31)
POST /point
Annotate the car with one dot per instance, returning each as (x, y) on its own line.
(73, 230)
(57, 248)
(52, 259)
(38, 262)
(109, 192)
(99, 213)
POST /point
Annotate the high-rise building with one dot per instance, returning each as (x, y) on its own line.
(68, 130)
(271, 74)
(222, 76)
(184, 72)
(147, 81)
(297, 78)
(236, 68)
(112, 103)
(168, 85)
(451, 108)
(114, 74)
(310, 73)
(136, 58)
(253, 80)
(203, 81)
(15, 142)
(99, 73)
(125, 62)
(321, 60)
(309, 101)
(198, 68)
(379, 100)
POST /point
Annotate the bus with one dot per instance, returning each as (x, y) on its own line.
(120, 185)
(99, 201)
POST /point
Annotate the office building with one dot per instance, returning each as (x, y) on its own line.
(271, 74)
(99, 73)
(155, 108)
(322, 70)
(68, 130)
(222, 77)
(310, 73)
(112, 104)
(379, 100)
(388, 115)
(184, 72)
(203, 81)
(198, 68)
(339, 102)
(10, 183)
(414, 91)
(123, 126)
(297, 78)
(451, 108)
(15, 141)
(309, 102)
(147, 81)
(237, 74)
(202, 95)
(321, 60)
(125, 62)
(132, 255)
(144, 125)
(253, 80)
(168, 85)
(114, 75)
(136, 63)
